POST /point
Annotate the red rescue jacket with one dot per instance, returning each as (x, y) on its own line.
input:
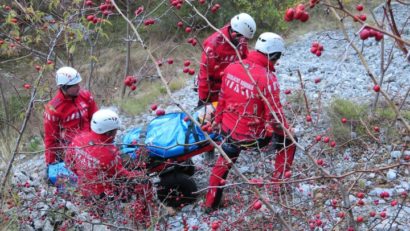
(242, 113)
(217, 55)
(63, 118)
(96, 162)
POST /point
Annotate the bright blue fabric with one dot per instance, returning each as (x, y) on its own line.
(60, 171)
(165, 137)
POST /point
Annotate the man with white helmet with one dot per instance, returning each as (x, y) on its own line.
(69, 112)
(244, 118)
(218, 54)
(95, 160)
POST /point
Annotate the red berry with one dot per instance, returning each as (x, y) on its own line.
(308, 118)
(288, 174)
(215, 225)
(215, 8)
(344, 120)
(360, 195)
(27, 86)
(313, 50)
(187, 63)
(133, 88)
(188, 29)
(298, 14)
(257, 205)
(376, 129)
(300, 7)
(287, 91)
(160, 112)
(90, 18)
(359, 219)
(127, 82)
(49, 62)
(363, 17)
(320, 162)
(170, 61)
(180, 24)
(378, 36)
(205, 127)
(404, 193)
(201, 1)
(186, 118)
(384, 194)
(13, 20)
(139, 10)
(326, 139)
(318, 138)
(334, 202)
(191, 71)
(185, 70)
(333, 144)
(304, 17)
(38, 67)
(149, 21)
(372, 214)
(372, 32)
(154, 107)
(393, 203)
(364, 34)
(383, 214)
(289, 14)
(317, 80)
(376, 88)
(341, 215)
(359, 7)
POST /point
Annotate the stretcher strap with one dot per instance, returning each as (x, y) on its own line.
(143, 134)
(191, 130)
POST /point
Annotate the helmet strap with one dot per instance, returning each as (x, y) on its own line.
(274, 56)
(232, 36)
(64, 89)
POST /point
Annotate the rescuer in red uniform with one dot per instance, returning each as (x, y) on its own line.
(245, 119)
(68, 113)
(95, 160)
(218, 54)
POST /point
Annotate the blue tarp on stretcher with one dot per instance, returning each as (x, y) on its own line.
(165, 136)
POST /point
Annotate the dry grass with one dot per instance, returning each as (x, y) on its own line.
(109, 74)
(362, 120)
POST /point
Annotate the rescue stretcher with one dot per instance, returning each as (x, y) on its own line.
(163, 147)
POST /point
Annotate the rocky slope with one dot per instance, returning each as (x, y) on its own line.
(342, 76)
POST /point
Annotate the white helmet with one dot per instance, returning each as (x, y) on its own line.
(244, 24)
(67, 76)
(105, 120)
(269, 43)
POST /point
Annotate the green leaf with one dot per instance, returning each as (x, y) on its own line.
(72, 48)
(94, 58)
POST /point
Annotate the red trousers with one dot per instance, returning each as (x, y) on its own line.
(284, 158)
